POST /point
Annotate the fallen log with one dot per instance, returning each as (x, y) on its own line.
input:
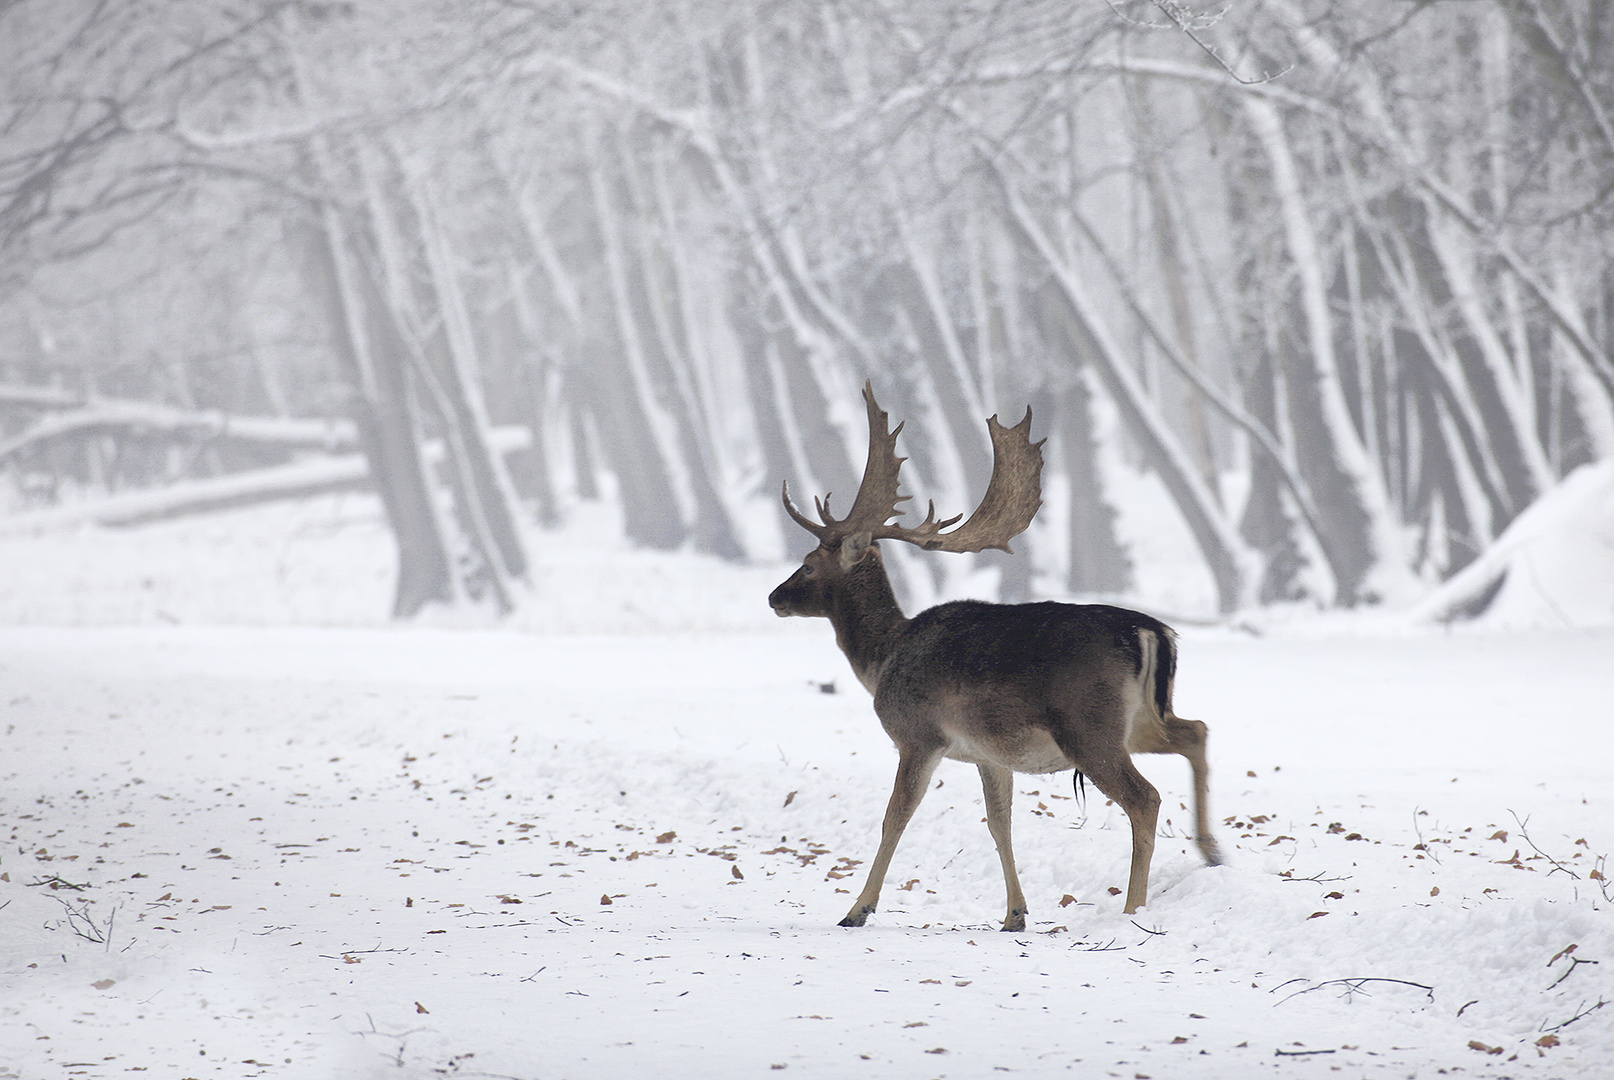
(299, 479)
(113, 417)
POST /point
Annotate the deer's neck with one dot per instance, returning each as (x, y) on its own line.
(867, 620)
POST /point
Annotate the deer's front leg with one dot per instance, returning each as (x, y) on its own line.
(914, 768)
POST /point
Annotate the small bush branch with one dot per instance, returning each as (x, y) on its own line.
(1524, 832)
(1417, 830)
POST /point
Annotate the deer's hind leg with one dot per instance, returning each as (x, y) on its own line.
(1120, 781)
(1093, 735)
(997, 784)
(1187, 737)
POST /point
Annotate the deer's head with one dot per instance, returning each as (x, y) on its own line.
(847, 550)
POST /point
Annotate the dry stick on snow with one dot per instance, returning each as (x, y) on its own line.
(359, 952)
(1581, 1015)
(1317, 878)
(1352, 986)
(1574, 962)
(402, 1037)
(83, 925)
(57, 883)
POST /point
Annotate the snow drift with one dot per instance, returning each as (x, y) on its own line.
(1552, 567)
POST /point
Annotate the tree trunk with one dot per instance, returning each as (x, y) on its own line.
(486, 478)
(641, 405)
(387, 417)
(1098, 564)
(1359, 533)
(657, 287)
(1071, 326)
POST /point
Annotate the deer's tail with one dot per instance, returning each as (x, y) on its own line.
(1157, 667)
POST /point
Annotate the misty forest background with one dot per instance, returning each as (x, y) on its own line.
(1339, 275)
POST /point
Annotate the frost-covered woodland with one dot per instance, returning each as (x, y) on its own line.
(395, 398)
(1335, 278)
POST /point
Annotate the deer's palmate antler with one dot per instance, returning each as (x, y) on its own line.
(1036, 688)
(1012, 496)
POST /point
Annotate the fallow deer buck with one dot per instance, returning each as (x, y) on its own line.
(1035, 688)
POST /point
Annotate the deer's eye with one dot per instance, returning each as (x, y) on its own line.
(807, 568)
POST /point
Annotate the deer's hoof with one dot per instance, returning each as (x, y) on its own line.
(1015, 922)
(858, 915)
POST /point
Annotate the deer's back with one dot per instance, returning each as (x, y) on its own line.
(972, 674)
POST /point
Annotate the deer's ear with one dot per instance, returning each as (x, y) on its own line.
(853, 548)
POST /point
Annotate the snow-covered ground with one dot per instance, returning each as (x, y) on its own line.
(249, 829)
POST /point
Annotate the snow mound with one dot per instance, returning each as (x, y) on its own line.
(1553, 567)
